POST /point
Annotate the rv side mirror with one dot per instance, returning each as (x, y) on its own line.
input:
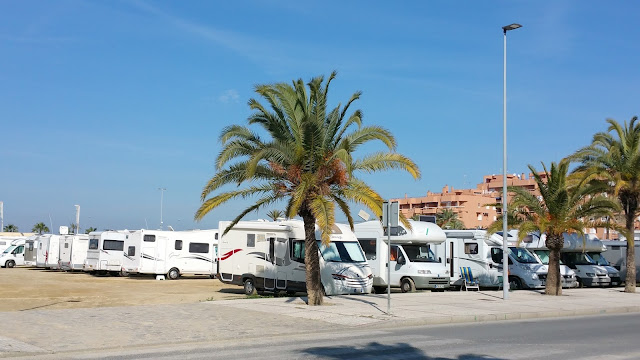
(401, 260)
(439, 259)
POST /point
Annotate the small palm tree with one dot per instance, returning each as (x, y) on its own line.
(561, 208)
(40, 228)
(447, 219)
(11, 228)
(275, 214)
(72, 228)
(91, 229)
(613, 159)
(308, 159)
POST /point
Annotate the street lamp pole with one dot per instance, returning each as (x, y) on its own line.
(162, 190)
(505, 245)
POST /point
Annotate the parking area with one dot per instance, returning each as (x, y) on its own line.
(30, 288)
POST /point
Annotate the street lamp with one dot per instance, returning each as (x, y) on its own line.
(505, 246)
(162, 190)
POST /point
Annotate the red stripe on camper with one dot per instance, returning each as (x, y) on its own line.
(227, 255)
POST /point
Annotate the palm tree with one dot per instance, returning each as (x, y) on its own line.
(11, 228)
(40, 228)
(561, 208)
(91, 229)
(307, 159)
(275, 214)
(614, 159)
(447, 219)
(72, 228)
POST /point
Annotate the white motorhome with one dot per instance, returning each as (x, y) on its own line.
(413, 262)
(616, 255)
(173, 253)
(5, 242)
(262, 255)
(483, 254)
(31, 250)
(106, 251)
(48, 251)
(73, 251)
(574, 255)
(14, 254)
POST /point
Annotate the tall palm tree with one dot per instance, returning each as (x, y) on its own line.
(40, 228)
(10, 228)
(306, 159)
(562, 207)
(447, 219)
(613, 158)
(275, 214)
(91, 229)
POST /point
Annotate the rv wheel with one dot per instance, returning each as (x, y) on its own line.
(11, 263)
(379, 289)
(124, 273)
(515, 284)
(173, 274)
(407, 285)
(249, 287)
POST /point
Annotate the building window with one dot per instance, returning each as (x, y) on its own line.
(479, 217)
(199, 248)
(178, 245)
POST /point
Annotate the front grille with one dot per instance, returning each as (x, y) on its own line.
(542, 276)
(566, 276)
(602, 275)
(439, 281)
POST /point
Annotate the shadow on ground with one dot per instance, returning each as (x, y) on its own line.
(374, 349)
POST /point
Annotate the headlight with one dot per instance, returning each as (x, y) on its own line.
(534, 277)
(424, 271)
(590, 274)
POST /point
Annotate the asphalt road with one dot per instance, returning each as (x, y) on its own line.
(612, 337)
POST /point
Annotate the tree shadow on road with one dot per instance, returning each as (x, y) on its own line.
(375, 349)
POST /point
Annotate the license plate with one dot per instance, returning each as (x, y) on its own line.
(438, 286)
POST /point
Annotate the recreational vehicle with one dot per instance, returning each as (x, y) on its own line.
(262, 255)
(48, 251)
(106, 251)
(482, 253)
(574, 255)
(173, 253)
(13, 255)
(73, 251)
(616, 255)
(31, 250)
(5, 242)
(413, 263)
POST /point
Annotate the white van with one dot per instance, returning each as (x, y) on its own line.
(413, 262)
(483, 254)
(48, 251)
(73, 251)
(616, 255)
(13, 255)
(106, 251)
(262, 255)
(173, 253)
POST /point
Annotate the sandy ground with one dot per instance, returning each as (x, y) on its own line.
(29, 288)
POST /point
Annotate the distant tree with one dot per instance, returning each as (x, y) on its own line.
(72, 228)
(275, 214)
(40, 228)
(447, 219)
(91, 229)
(11, 228)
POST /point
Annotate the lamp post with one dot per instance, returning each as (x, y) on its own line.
(505, 245)
(162, 190)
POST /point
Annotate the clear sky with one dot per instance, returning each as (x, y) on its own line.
(103, 102)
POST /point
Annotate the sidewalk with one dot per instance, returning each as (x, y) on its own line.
(69, 330)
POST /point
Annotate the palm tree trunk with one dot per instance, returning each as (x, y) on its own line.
(315, 291)
(630, 280)
(554, 283)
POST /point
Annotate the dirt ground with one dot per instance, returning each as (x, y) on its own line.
(30, 288)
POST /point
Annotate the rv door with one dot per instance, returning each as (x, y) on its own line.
(270, 267)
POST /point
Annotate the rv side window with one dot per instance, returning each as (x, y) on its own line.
(396, 231)
(30, 246)
(41, 246)
(66, 245)
(115, 245)
(178, 245)
(496, 255)
(297, 250)
(19, 250)
(131, 251)
(150, 238)
(251, 240)
(93, 244)
(216, 236)
(3, 243)
(199, 248)
(471, 248)
(369, 248)
(272, 250)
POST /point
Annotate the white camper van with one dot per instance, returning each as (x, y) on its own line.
(173, 253)
(14, 254)
(413, 263)
(48, 251)
(616, 255)
(106, 251)
(483, 254)
(31, 250)
(262, 255)
(73, 251)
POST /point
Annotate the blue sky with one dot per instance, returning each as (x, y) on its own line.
(103, 102)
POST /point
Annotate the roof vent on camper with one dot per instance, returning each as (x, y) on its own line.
(64, 230)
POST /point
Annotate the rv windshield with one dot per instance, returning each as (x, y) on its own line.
(543, 255)
(523, 256)
(9, 249)
(579, 259)
(341, 251)
(419, 253)
(599, 259)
